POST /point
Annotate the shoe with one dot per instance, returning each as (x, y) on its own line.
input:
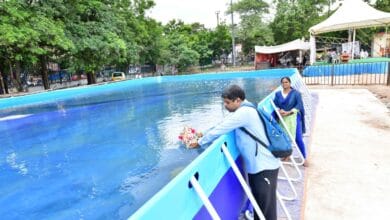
(248, 215)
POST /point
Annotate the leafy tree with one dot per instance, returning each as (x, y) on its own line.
(35, 35)
(179, 47)
(383, 5)
(221, 42)
(16, 36)
(250, 7)
(200, 39)
(144, 34)
(291, 18)
(252, 30)
(52, 42)
(179, 52)
(30, 35)
(92, 27)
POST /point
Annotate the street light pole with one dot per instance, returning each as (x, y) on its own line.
(217, 13)
(233, 49)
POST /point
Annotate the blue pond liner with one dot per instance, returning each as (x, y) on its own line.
(346, 69)
(88, 94)
(178, 201)
(66, 158)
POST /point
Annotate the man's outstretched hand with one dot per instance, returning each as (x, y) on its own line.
(194, 145)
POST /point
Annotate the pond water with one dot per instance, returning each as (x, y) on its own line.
(102, 156)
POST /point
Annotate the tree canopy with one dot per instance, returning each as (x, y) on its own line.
(89, 35)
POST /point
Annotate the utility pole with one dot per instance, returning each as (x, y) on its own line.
(217, 13)
(233, 48)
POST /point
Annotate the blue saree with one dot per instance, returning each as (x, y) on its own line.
(294, 101)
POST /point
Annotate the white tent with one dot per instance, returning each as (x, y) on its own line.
(297, 44)
(352, 14)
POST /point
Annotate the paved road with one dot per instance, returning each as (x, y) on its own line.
(349, 172)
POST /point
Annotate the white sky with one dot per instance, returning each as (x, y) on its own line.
(202, 11)
(190, 11)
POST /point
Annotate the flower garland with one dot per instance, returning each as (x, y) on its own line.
(189, 136)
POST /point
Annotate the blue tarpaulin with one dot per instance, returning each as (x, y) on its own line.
(346, 69)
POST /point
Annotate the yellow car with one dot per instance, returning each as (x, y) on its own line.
(117, 76)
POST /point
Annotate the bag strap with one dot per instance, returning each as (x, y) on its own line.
(254, 138)
(251, 105)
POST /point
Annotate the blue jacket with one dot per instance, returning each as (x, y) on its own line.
(248, 118)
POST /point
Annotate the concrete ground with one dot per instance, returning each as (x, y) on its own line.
(349, 167)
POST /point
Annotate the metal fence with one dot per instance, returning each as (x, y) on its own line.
(169, 70)
(374, 73)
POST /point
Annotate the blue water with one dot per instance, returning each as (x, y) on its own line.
(103, 160)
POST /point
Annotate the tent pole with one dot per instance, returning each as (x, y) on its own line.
(386, 41)
(300, 57)
(349, 35)
(312, 49)
(353, 43)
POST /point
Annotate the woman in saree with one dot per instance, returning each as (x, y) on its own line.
(290, 104)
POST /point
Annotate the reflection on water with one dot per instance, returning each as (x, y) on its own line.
(104, 160)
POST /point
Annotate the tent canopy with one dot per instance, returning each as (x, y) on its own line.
(297, 44)
(353, 14)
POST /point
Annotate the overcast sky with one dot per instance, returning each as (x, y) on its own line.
(202, 11)
(190, 11)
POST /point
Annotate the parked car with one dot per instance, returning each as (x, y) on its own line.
(75, 77)
(117, 76)
(31, 83)
(39, 82)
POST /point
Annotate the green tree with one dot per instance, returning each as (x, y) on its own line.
(221, 41)
(383, 5)
(291, 18)
(200, 41)
(16, 36)
(30, 34)
(179, 47)
(252, 30)
(52, 43)
(144, 34)
(180, 54)
(92, 27)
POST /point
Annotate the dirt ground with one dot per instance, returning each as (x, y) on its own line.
(382, 93)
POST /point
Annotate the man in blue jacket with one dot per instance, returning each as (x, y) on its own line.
(262, 167)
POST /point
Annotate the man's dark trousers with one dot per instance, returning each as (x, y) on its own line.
(263, 186)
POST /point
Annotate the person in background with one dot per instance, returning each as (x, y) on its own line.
(337, 57)
(260, 165)
(334, 56)
(304, 60)
(290, 106)
(366, 54)
(344, 57)
(362, 54)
